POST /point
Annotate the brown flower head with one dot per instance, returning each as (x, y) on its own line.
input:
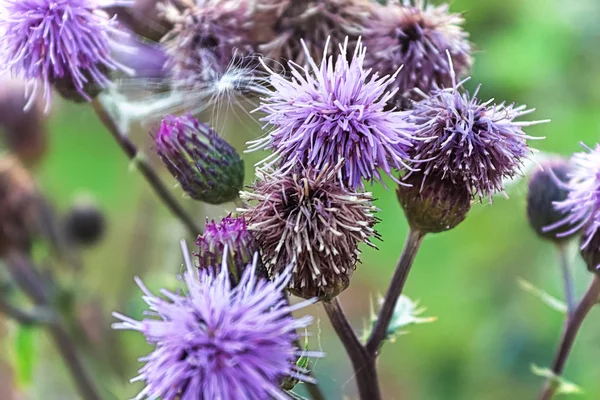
(309, 219)
(313, 21)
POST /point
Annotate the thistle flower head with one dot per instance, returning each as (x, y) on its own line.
(417, 37)
(218, 341)
(206, 37)
(314, 21)
(581, 208)
(207, 167)
(336, 111)
(65, 43)
(547, 186)
(309, 219)
(231, 236)
(469, 142)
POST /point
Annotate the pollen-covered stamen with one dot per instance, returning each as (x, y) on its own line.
(309, 219)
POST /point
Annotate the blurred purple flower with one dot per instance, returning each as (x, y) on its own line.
(206, 166)
(47, 41)
(333, 111)
(469, 142)
(208, 37)
(417, 37)
(582, 205)
(218, 341)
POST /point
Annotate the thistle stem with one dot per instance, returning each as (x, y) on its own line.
(571, 328)
(567, 278)
(25, 275)
(379, 333)
(362, 362)
(314, 391)
(146, 169)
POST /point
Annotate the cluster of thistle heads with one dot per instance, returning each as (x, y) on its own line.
(351, 93)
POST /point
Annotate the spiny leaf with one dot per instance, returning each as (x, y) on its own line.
(547, 298)
(563, 386)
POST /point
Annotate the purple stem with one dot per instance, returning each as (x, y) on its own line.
(571, 328)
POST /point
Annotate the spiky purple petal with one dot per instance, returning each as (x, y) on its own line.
(46, 41)
(336, 111)
(219, 341)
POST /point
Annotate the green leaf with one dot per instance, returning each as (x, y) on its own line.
(24, 355)
(563, 386)
(407, 312)
(547, 298)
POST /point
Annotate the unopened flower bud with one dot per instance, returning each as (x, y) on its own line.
(433, 205)
(19, 205)
(544, 190)
(85, 223)
(232, 236)
(207, 167)
(23, 131)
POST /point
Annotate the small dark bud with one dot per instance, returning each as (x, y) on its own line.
(19, 206)
(543, 191)
(85, 223)
(591, 252)
(206, 166)
(230, 233)
(437, 205)
(24, 131)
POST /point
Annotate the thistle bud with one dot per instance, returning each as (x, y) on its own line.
(590, 252)
(230, 234)
(24, 131)
(85, 223)
(19, 205)
(207, 167)
(433, 205)
(544, 190)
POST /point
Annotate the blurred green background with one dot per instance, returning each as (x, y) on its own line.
(543, 53)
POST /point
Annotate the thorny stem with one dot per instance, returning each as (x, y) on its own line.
(146, 169)
(571, 328)
(362, 362)
(567, 278)
(379, 333)
(25, 275)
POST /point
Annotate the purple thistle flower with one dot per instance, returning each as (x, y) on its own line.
(66, 43)
(207, 167)
(219, 341)
(581, 208)
(314, 21)
(208, 36)
(469, 142)
(417, 37)
(310, 220)
(231, 236)
(336, 111)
